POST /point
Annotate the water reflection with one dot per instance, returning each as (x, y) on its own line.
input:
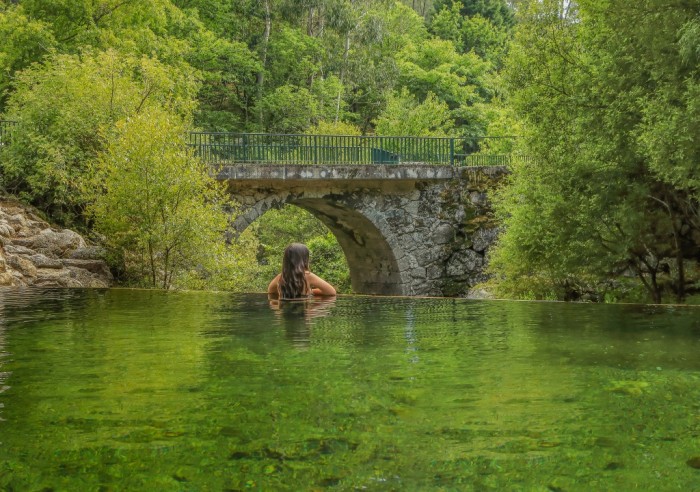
(297, 317)
(3, 354)
(142, 390)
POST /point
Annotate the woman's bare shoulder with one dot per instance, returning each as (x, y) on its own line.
(274, 284)
(319, 286)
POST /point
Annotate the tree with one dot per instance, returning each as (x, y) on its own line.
(333, 128)
(404, 115)
(295, 66)
(670, 111)
(123, 24)
(477, 32)
(496, 11)
(227, 69)
(460, 81)
(423, 7)
(288, 109)
(55, 141)
(594, 206)
(25, 41)
(176, 224)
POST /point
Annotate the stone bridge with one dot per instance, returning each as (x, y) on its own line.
(405, 230)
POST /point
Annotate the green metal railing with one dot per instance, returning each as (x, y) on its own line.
(6, 128)
(218, 148)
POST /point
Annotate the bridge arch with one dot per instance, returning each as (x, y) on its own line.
(370, 257)
(405, 230)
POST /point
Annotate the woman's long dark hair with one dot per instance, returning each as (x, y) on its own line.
(295, 263)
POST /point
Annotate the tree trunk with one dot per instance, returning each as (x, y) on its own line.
(263, 54)
(651, 285)
(680, 262)
(680, 292)
(152, 260)
(655, 292)
(342, 75)
(166, 266)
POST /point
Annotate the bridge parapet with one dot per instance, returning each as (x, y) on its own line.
(336, 172)
(218, 148)
(226, 149)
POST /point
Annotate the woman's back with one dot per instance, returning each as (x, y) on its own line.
(296, 281)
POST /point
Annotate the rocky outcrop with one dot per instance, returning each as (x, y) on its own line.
(32, 252)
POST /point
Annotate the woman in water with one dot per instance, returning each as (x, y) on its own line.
(296, 281)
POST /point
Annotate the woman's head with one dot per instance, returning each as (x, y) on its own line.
(296, 255)
(295, 263)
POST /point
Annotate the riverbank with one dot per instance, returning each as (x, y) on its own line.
(35, 253)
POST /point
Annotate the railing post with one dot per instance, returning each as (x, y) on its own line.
(381, 146)
(315, 149)
(193, 144)
(452, 151)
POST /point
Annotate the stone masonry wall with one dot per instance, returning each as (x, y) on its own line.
(403, 236)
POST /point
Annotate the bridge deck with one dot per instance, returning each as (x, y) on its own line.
(406, 172)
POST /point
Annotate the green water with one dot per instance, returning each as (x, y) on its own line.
(140, 390)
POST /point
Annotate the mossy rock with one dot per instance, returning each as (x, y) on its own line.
(631, 388)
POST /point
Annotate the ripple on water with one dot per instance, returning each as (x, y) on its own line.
(224, 391)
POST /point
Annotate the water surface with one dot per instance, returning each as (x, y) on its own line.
(143, 390)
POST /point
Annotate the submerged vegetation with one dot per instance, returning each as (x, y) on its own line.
(603, 93)
(205, 391)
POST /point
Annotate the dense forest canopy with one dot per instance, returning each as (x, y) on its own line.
(607, 95)
(257, 61)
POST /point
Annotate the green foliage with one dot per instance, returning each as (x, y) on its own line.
(447, 23)
(24, 41)
(487, 38)
(498, 12)
(329, 261)
(404, 26)
(157, 205)
(404, 115)
(334, 128)
(671, 112)
(458, 80)
(293, 109)
(610, 191)
(230, 267)
(259, 60)
(289, 109)
(505, 128)
(282, 66)
(423, 7)
(293, 57)
(116, 24)
(227, 70)
(54, 142)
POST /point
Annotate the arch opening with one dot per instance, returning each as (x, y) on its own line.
(371, 262)
(373, 266)
(277, 227)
